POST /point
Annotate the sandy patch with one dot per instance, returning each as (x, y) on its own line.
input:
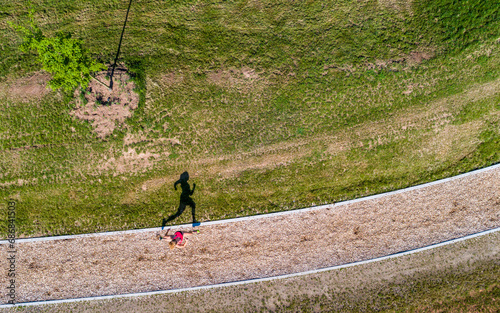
(417, 57)
(235, 167)
(131, 139)
(106, 108)
(155, 184)
(19, 182)
(408, 60)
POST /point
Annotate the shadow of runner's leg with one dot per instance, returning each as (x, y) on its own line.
(193, 212)
(185, 200)
(182, 207)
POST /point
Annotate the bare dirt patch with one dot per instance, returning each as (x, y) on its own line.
(417, 57)
(244, 78)
(33, 87)
(129, 162)
(266, 162)
(404, 62)
(453, 139)
(107, 108)
(413, 59)
(172, 78)
(397, 5)
(131, 139)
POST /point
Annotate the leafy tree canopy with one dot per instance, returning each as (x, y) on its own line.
(62, 56)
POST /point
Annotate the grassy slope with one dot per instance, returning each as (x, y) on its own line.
(277, 105)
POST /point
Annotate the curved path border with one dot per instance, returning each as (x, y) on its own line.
(257, 280)
(238, 219)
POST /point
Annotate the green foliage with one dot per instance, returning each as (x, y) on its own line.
(62, 56)
(458, 23)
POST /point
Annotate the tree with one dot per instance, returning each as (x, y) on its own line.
(62, 56)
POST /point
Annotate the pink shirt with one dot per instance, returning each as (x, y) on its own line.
(179, 235)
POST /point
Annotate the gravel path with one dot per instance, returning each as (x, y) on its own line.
(295, 242)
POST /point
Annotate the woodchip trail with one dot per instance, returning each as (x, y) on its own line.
(264, 246)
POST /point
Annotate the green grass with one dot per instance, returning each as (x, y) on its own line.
(276, 105)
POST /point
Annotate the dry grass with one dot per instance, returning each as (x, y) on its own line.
(243, 80)
(405, 125)
(436, 116)
(397, 5)
(129, 162)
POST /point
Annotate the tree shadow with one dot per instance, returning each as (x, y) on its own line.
(185, 200)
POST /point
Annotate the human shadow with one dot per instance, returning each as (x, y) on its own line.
(185, 200)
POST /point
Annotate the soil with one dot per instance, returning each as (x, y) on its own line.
(262, 247)
(33, 87)
(243, 79)
(107, 108)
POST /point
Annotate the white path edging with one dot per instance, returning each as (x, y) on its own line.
(247, 218)
(256, 280)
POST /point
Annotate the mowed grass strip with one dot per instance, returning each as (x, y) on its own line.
(269, 106)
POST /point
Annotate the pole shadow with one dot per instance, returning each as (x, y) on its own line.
(185, 200)
(119, 47)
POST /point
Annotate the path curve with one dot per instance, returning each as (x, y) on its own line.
(257, 280)
(259, 247)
